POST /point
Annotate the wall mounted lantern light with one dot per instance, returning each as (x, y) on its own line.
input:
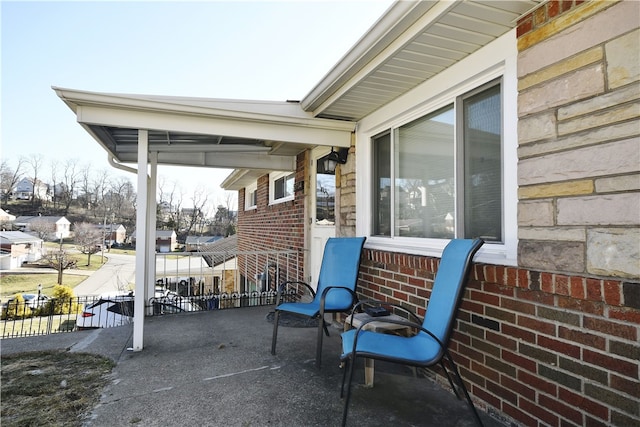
(331, 160)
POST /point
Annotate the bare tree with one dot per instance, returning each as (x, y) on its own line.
(123, 196)
(85, 186)
(9, 177)
(87, 239)
(42, 228)
(35, 160)
(55, 183)
(171, 196)
(59, 260)
(199, 199)
(98, 191)
(225, 218)
(70, 180)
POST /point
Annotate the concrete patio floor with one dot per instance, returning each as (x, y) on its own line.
(215, 369)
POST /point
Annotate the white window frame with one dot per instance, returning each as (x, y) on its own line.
(273, 177)
(252, 188)
(497, 60)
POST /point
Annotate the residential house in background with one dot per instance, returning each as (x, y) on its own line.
(165, 240)
(114, 234)
(6, 220)
(515, 121)
(47, 227)
(17, 248)
(25, 190)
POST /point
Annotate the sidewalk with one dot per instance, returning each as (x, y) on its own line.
(215, 368)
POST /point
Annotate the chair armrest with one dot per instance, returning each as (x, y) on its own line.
(326, 291)
(396, 322)
(282, 288)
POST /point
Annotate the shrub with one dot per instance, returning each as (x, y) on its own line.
(16, 308)
(64, 301)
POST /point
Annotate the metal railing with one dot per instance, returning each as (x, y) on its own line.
(185, 283)
(230, 272)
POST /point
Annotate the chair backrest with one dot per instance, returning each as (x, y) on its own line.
(340, 265)
(448, 286)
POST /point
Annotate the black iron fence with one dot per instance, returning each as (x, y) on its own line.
(23, 319)
(185, 282)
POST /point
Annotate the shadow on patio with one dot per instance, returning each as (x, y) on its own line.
(215, 368)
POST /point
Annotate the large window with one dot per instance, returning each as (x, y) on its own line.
(439, 176)
(281, 186)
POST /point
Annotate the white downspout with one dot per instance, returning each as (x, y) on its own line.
(122, 167)
(142, 240)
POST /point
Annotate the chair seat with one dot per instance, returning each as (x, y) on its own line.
(310, 309)
(418, 350)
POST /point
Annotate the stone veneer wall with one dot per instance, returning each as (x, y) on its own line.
(346, 195)
(556, 341)
(579, 139)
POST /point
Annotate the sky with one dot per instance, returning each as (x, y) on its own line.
(259, 50)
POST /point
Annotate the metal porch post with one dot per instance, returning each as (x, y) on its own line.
(142, 240)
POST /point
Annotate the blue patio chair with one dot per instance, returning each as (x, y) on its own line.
(428, 346)
(335, 292)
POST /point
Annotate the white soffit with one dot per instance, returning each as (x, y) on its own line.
(408, 45)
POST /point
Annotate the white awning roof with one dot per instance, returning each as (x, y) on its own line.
(204, 132)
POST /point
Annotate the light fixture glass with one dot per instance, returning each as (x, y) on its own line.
(331, 160)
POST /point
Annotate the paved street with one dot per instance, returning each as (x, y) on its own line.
(114, 276)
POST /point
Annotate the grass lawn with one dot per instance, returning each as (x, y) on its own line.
(12, 284)
(27, 283)
(51, 388)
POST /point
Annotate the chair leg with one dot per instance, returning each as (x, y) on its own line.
(345, 368)
(274, 338)
(326, 330)
(321, 326)
(454, 369)
(446, 372)
(351, 362)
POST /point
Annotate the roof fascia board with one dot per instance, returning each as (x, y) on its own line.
(381, 46)
(259, 111)
(397, 19)
(238, 179)
(232, 183)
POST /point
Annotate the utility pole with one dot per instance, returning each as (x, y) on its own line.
(104, 231)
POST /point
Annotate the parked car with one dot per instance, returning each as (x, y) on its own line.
(106, 312)
(118, 310)
(31, 300)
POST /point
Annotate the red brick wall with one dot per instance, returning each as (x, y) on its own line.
(540, 348)
(273, 227)
(545, 13)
